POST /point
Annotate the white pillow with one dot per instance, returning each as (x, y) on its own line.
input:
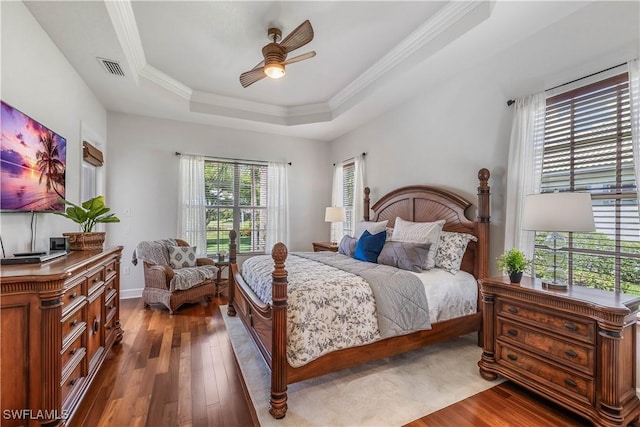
(182, 256)
(371, 226)
(419, 232)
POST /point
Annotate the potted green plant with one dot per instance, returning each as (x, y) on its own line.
(514, 262)
(90, 213)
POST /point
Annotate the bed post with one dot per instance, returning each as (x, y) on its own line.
(231, 310)
(484, 220)
(366, 202)
(278, 401)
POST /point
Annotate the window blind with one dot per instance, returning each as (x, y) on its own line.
(236, 197)
(588, 147)
(348, 187)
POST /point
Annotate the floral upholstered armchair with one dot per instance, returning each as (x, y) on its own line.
(173, 275)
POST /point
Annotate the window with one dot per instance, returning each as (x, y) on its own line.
(588, 147)
(92, 159)
(348, 186)
(236, 198)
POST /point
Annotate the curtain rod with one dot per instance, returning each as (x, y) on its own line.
(512, 101)
(363, 155)
(227, 158)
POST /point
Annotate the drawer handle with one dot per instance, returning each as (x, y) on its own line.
(74, 322)
(571, 326)
(512, 357)
(512, 332)
(73, 381)
(512, 310)
(95, 280)
(73, 295)
(96, 326)
(571, 353)
(108, 328)
(570, 382)
(73, 351)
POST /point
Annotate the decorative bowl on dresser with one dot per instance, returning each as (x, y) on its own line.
(59, 321)
(575, 347)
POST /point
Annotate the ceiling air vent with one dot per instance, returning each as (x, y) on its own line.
(112, 67)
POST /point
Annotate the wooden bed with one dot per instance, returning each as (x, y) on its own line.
(267, 323)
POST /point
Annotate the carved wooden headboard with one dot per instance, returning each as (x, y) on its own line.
(421, 203)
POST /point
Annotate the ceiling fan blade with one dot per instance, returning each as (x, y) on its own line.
(300, 57)
(302, 35)
(250, 77)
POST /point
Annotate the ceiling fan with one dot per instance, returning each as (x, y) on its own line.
(275, 54)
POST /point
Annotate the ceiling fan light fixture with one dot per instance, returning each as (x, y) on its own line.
(274, 71)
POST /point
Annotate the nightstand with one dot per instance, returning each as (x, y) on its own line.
(575, 347)
(324, 246)
(220, 283)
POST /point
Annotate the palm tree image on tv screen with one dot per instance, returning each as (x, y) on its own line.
(32, 164)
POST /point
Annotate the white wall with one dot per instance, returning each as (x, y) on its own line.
(38, 80)
(143, 178)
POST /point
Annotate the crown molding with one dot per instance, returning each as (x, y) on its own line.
(229, 102)
(124, 24)
(445, 18)
(161, 79)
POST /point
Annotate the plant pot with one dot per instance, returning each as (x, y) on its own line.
(85, 241)
(515, 277)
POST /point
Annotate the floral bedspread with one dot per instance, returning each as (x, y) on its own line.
(329, 309)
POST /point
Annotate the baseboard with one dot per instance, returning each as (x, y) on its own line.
(130, 293)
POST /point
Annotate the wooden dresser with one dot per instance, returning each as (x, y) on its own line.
(575, 347)
(59, 321)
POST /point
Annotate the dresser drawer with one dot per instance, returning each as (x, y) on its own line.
(109, 331)
(72, 323)
(110, 269)
(580, 329)
(95, 280)
(75, 349)
(71, 383)
(574, 355)
(73, 296)
(573, 385)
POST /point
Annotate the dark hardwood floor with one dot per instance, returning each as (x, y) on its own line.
(180, 370)
(170, 370)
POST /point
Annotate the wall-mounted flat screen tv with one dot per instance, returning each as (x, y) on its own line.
(33, 162)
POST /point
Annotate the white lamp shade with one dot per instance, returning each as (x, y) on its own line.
(570, 211)
(334, 214)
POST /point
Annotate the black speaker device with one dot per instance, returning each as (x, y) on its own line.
(59, 244)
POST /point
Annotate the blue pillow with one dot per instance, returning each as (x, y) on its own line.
(369, 246)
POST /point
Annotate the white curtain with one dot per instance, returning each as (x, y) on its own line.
(277, 205)
(634, 98)
(192, 225)
(337, 229)
(524, 168)
(358, 191)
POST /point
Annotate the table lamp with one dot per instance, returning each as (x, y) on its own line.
(557, 212)
(334, 214)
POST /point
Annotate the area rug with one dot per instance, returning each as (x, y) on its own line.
(389, 392)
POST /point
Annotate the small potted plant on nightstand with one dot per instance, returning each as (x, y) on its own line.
(88, 215)
(514, 262)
